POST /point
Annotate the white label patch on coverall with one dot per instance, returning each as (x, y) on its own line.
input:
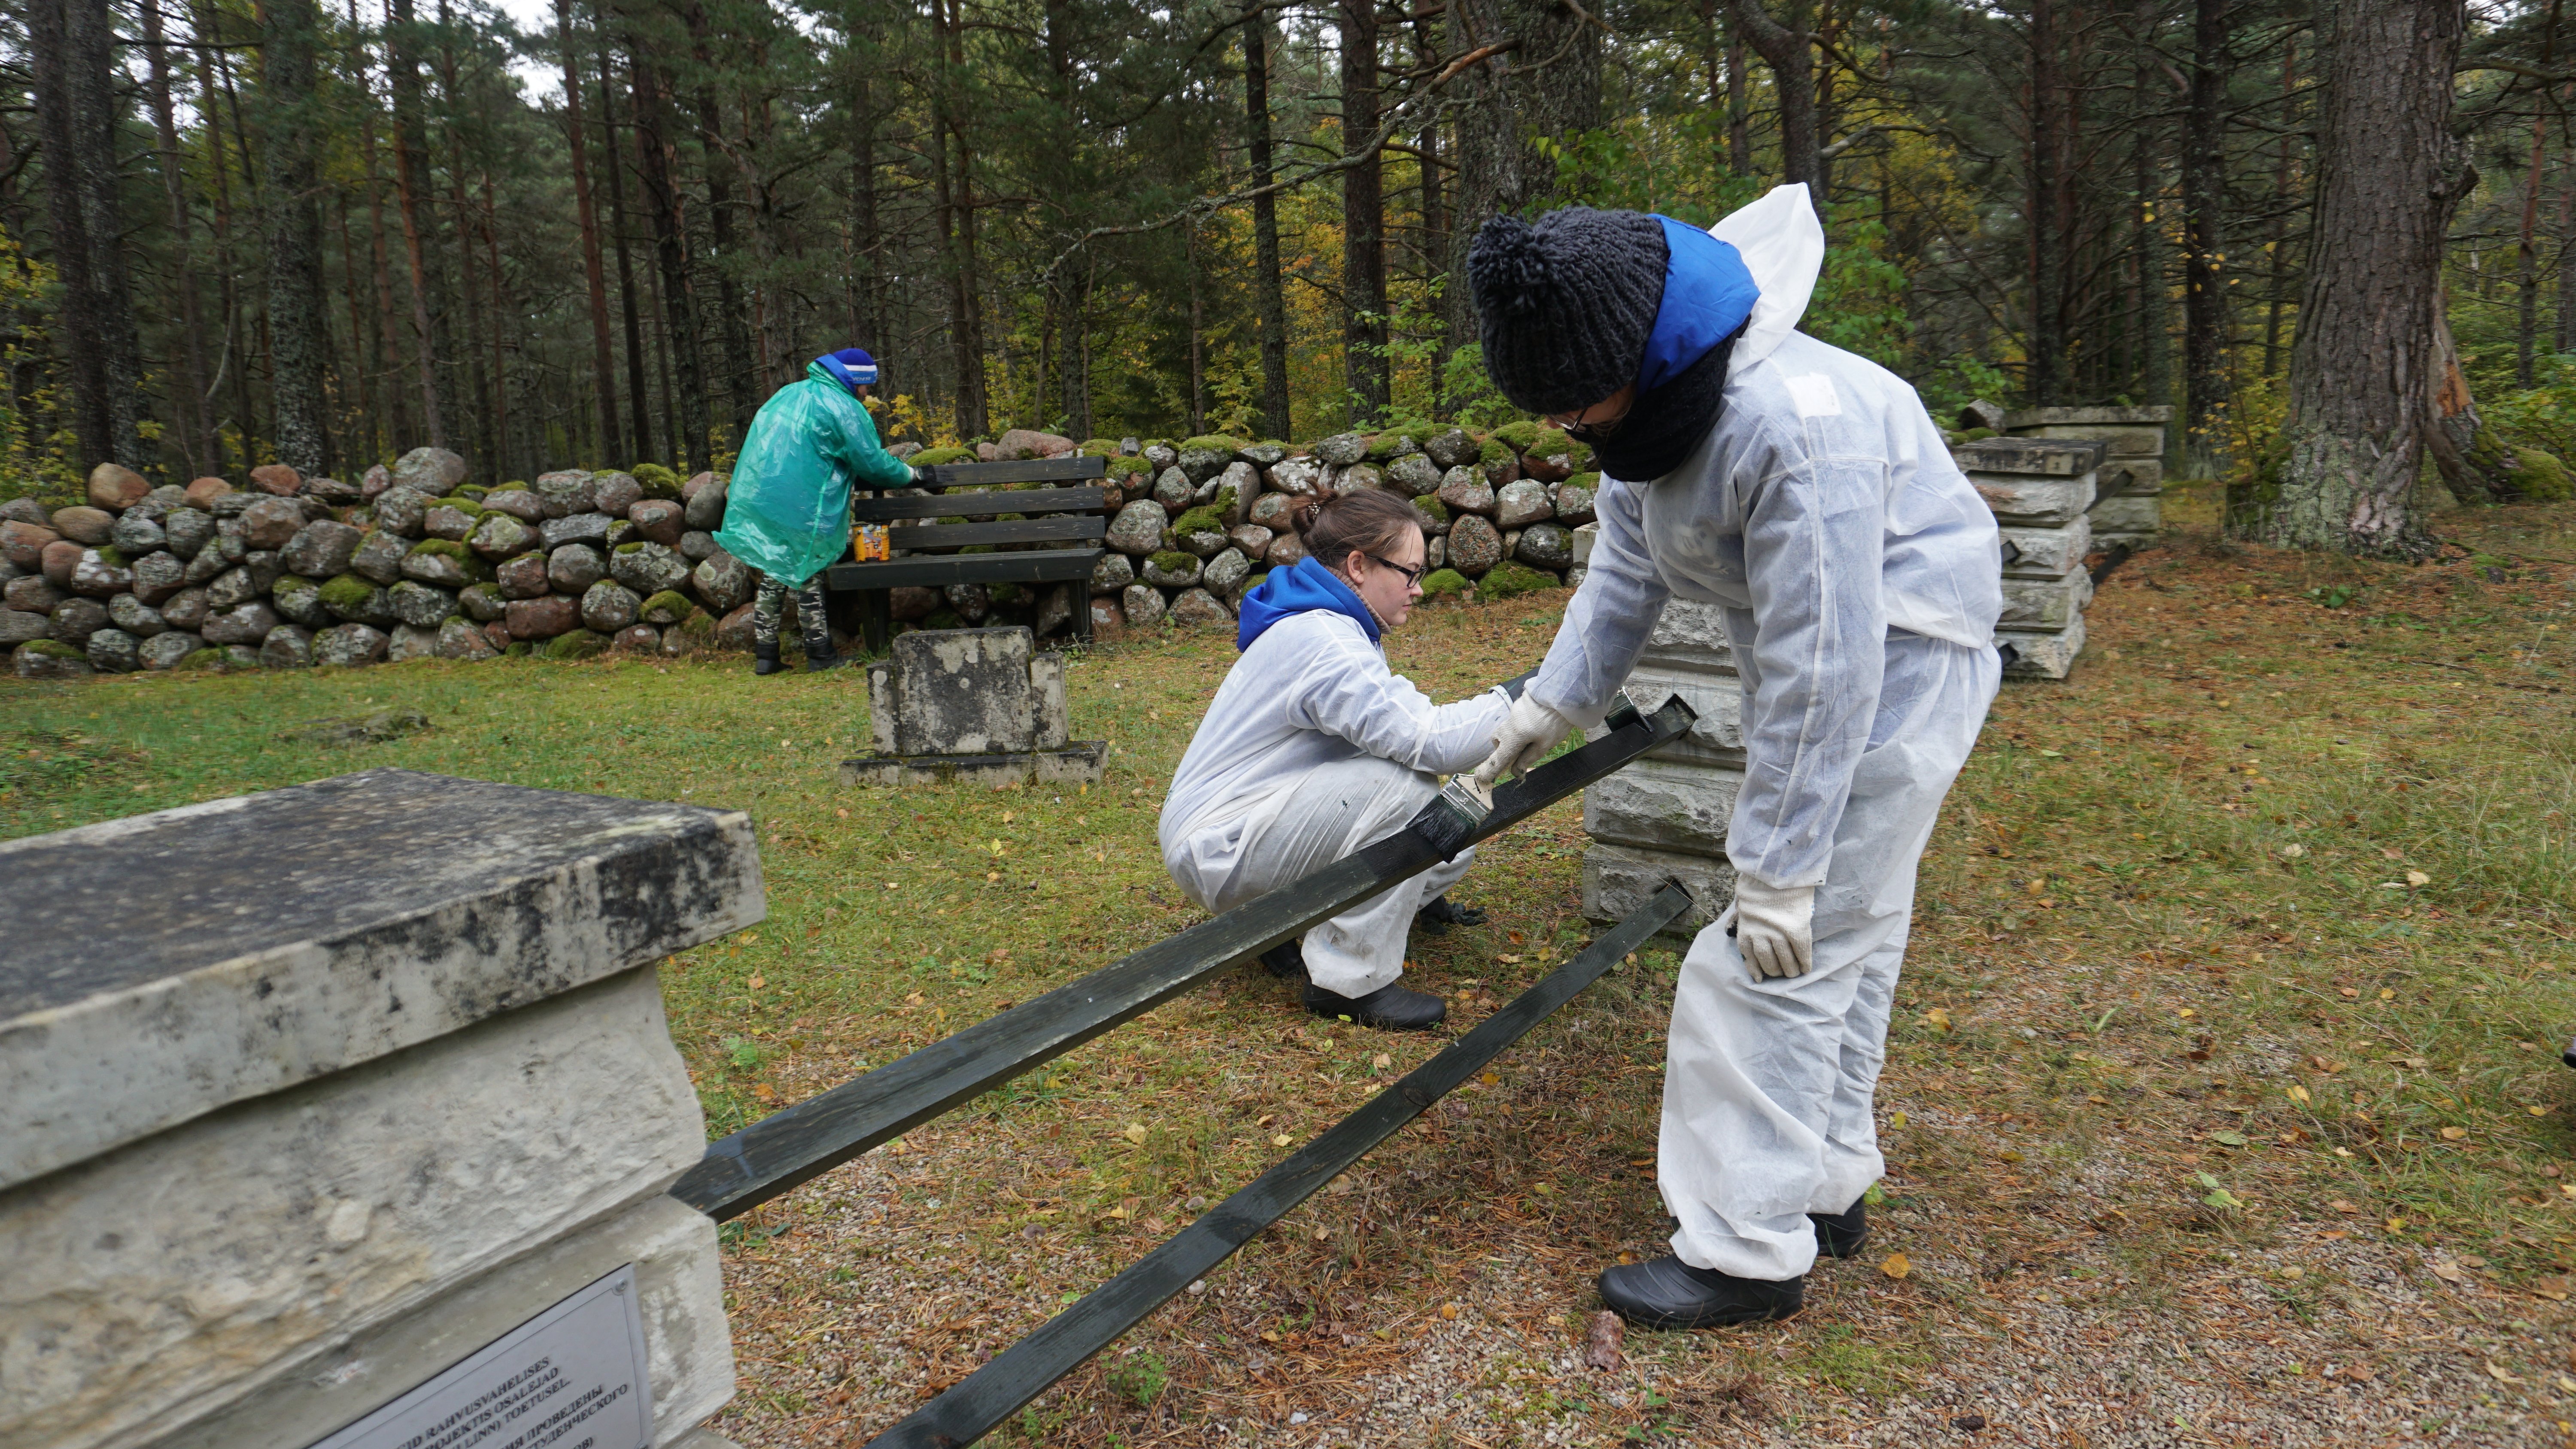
(1858, 577)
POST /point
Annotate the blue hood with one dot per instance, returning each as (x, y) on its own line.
(1303, 586)
(1708, 293)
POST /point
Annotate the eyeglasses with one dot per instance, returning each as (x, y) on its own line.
(1585, 429)
(1411, 576)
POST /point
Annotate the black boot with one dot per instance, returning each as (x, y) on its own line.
(764, 658)
(1842, 1234)
(1436, 918)
(1286, 961)
(1669, 1293)
(830, 658)
(1391, 1007)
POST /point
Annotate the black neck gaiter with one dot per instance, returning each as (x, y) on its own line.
(1667, 422)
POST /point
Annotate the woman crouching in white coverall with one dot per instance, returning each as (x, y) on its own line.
(1805, 493)
(1313, 748)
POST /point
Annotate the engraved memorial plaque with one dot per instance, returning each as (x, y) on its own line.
(573, 1377)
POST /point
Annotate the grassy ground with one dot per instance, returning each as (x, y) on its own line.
(2222, 1104)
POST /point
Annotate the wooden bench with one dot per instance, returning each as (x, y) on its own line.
(1073, 520)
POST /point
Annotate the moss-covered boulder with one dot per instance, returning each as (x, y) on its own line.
(1445, 583)
(666, 608)
(1097, 448)
(1208, 517)
(658, 481)
(445, 563)
(470, 506)
(1007, 595)
(575, 644)
(929, 457)
(1433, 511)
(1504, 580)
(2537, 475)
(944, 619)
(1517, 436)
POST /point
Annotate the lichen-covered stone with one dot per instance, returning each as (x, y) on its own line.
(1450, 447)
(288, 646)
(1285, 550)
(499, 535)
(575, 644)
(1143, 605)
(100, 572)
(1358, 476)
(647, 568)
(380, 557)
(231, 589)
(186, 531)
(658, 481)
(299, 600)
(272, 522)
(353, 599)
(1174, 570)
(448, 522)
(349, 645)
(705, 509)
(1138, 528)
(1199, 609)
(607, 607)
(1173, 489)
(574, 567)
(1574, 500)
(446, 563)
(59, 559)
(113, 651)
(186, 609)
(245, 624)
(1521, 503)
(433, 471)
(615, 493)
(420, 605)
(482, 603)
(321, 549)
(331, 492)
(50, 659)
(1251, 538)
(76, 619)
(1298, 478)
(1202, 542)
(970, 602)
(1225, 573)
(400, 512)
(636, 639)
(1413, 475)
(23, 543)
(567, 493)
(517, 502)
(136, 535)
(722, 582)
(1464, 490)
(164, 651)
(1546, 546)
(1114, 571)
(590, 528)
(657, 520)
(524, 577)
(135, 617)
(697, 546)
(114, 486)
(1342, 449)
(1474, 545)
(33, 593)
(409, 642)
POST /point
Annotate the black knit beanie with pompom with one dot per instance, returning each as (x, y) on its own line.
(1566, 305)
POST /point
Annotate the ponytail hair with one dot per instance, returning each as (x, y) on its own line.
(1364, 519)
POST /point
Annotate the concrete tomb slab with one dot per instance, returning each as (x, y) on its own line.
(971, 704)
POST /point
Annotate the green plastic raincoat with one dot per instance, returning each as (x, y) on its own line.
(787, 508)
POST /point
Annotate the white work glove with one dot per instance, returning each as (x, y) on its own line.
(1528, 733)
(1774, 927)
(921, 477)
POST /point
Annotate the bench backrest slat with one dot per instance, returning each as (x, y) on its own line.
(1070, 528)
(1027, 470)
(979, 505)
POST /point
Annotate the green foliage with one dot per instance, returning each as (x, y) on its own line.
(1129, 468)
(2539, 477)
(462, 504)
(1440, 583)
(1496, 453)
(1505, 580)
(348, 593)
(57, 649)
(1473, 399)
(1208, 517)
(1173, 561)
(111, 556)
(1213, 443)
(1517, 435)
(1433, 509)
(1097, 448)
(1140, 1378)
(1006, 595)
(1589, 481)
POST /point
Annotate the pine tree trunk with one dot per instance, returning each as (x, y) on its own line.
(1363, 217)
(732, 340)
(2366, 361)
(663, 199)
(398, 434)
(2475, 464)
(297, 322)
(76, 109)
(243, 326)
(2047, 320)
(1786, 47)
(973, 406)
(1269, 289)
(603, 355)
(195, 438)
(2204, 199)
(428, 267)
(638, 383)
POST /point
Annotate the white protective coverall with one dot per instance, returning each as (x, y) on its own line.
(1860, 578)
(1312, 749)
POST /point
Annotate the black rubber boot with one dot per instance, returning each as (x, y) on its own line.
(1436, 918)
(764, 658)
(1286, 961)
(830, 658)
(1391, 1007)
(1669, 1293)
(1842, 1234)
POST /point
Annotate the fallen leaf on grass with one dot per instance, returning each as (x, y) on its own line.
(2553, 1289)
(1135, 1133)
(2298, 1094)
(2008, 1155)
(1897, 1265)
(1279, 1141)
(2418, 878)
(1938, 1018)
(1448, 1310)
(2454, 1134)
(2448, 1272)
(1602, 1341)
(1896, 1119)
(2497, 1372)
(2231, 1139)
(757, 982)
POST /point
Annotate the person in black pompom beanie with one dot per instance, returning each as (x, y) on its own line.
(1856, 575)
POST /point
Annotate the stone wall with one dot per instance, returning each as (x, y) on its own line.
(408, 563)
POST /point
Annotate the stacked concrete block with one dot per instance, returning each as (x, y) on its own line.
(343, 1112)
(2040, 490)
(2129, 507)
(1664, 817)
(979, 704)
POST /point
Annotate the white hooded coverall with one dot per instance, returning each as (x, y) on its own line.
(1859, 577)
(1312, 749)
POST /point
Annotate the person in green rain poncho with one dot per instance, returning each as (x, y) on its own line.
(787, 508)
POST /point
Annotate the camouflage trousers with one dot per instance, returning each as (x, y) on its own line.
(769, 608)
